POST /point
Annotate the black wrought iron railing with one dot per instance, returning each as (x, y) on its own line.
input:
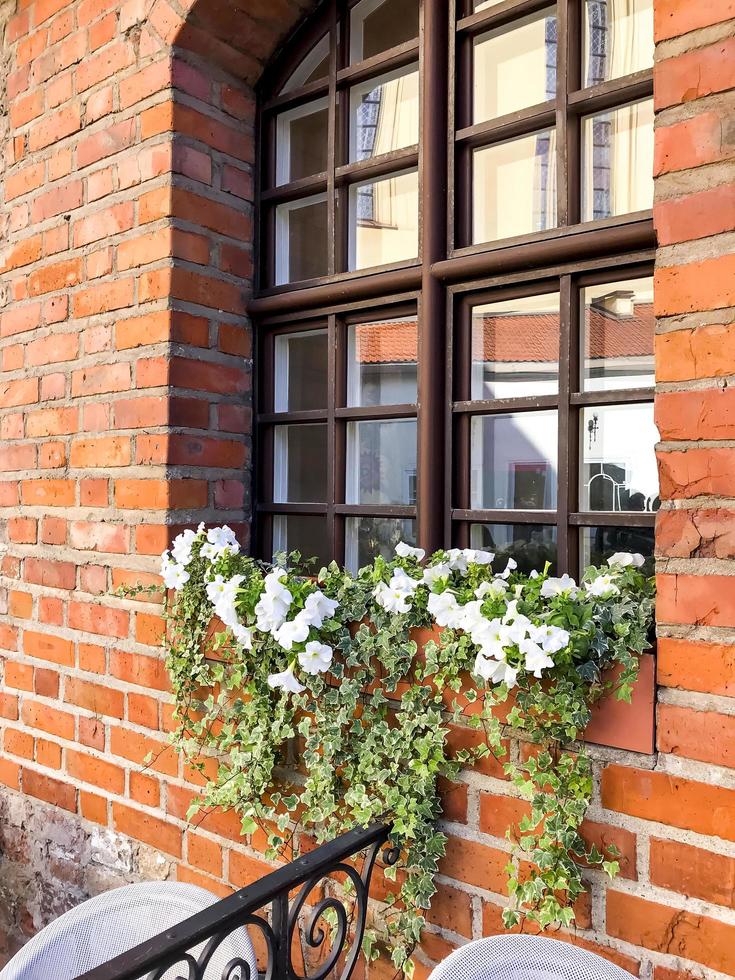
(188, 949)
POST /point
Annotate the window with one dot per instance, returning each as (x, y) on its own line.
(454, 301)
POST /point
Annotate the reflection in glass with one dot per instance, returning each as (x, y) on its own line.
(300, 464)
(618, 325)
(301, 371)
(377, 25)
(381, 362)
(384, 220)
(514, 187)
(307, 535)
(515, 66)
(366, 537)
(618, 39)
(384, 114)
(314, 66)
(301, 141)
(381, 462)
(617, 161)
(598, 543)
(618, 471)
(531, 545)
(514, 461)
(301, 239)
(515, 348)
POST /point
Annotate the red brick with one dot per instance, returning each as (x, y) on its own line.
(49, 790)
(147, 672)
(693, 872)
(104, 298)
(96, 698)
(690, 599)
(100, 379)
(52, 574)
(697, 472)
(57, 201)
(106, 142)
(204, 854)
(104, 224)
(48, 493)
(707, 736)
(216, 378)
(475, 864)
(52, 422)
(160, 494)
(93, 807)
(92, 732)
(46, 682)
(48, 719)
(96, 69)
(55, 126)
(90, 769)
(222, 218)
(107, 451)
(673, 18)
(694, 666)
(130, 745)
(705, 352)
(46, 646)
(23, 530)
(707, 413)
(144, 827)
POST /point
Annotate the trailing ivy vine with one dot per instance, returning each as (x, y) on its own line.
(321, 712)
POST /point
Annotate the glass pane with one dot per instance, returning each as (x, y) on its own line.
(301, 239)
(384, 114)
(384, 220)
(598, 543)
(381, 362)
(515, 348)
(513, 461)
(381, 462)
(301, 371)
(300, 464)
(367, 537)
(618, 325)
(514, 187)
(531, 545)
(377, 25)
(618, 459)
(617, 161)
(515, 66)
(484, 4)
(618, 39)
(302, 142)
(314, 66)
(305, 534)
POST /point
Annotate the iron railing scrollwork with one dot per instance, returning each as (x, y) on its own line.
(186, 951)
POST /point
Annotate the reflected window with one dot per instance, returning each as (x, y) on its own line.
(305, 534)
(514, 461)
(377, 25)
(382, 362)
(618, 461)
(618, 39)
(514, 187)
(313, 68)
(530, 545)
(618, 326)
(368, 537)
(384, 220)
(515, 66)
(384, 114)
(302, 142)
(617, 161)
(300, 464)
(515, 348)
(597, 544)
(301, 371)
(381, 463)
(301, 239)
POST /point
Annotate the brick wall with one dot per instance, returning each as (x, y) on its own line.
(127, 132)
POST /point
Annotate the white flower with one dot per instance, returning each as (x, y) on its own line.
(536, 659)
(435, 573)
(470, 616)
(182, 546)
(174, 575)
(623, 559)
(602, 587)
(317, 608)
(559, 586)
(479, 557)
(285, 681)
(222, 593)
(494, 671)
(316, 657)
(457, 560)
(243, 635)
(551, 638)
(401, 582)
(392, 600)
(273, 605)
(295, 631)
(445, 609)
(496, 588)
(404, 550)
(510, 567)
(219, 540)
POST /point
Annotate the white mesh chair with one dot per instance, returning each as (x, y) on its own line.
(525, 958)
(114, 922)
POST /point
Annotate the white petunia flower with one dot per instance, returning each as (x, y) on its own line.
(479, 557)
(495, 589)
(295, 631)
(457, 560)
(623, 559)
(181, 550)
(559, 586)
(510, 567)
(536, 658)
(404, 550)
(317, 608)
(494, 671)
(243, 635)
(219, 540)
(551, 638)
(435, 573)
(174, 575)
(285, 681)
(316, 657)
(273, 605)
(445, 609)
(392, 600)
(602, 587)
(401, 582)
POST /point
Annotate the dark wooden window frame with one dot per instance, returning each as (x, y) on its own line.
(450, 275)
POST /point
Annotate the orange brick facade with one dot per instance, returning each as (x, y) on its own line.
(127, 132)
